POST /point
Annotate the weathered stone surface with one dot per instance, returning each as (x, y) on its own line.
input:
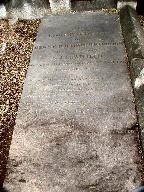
(134, 41)
(37, 8)
(36, 3)
(121, 4)
(76, 109)
(72, 158)
(94, 4)
(137, 65)
(132, 32)
(60, 5)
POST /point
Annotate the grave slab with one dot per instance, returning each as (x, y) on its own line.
(73, 126)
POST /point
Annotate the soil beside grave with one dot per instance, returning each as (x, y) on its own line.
(19, 40)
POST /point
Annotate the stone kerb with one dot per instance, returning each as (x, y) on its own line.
(32, 9)
(134, 42)
(29, 5)
(60, 5)
(35, 9)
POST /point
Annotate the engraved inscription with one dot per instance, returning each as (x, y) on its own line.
(80, 61)
(78, 45)
(86, 65)
(82, 33)
(81, 56)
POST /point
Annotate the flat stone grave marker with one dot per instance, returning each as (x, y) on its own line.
(76, 110)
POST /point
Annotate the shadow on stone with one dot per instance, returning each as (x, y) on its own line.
(139, 189)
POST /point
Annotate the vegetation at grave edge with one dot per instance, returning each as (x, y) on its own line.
(142, 21)
(14, 61)
(115, 11)
(92, 187)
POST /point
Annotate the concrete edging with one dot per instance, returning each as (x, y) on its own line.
(134, 41)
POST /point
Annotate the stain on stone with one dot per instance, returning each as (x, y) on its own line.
(22, 180)
(15, 163)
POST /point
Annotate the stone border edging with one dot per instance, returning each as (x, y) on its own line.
(132, 32)
(134, 41)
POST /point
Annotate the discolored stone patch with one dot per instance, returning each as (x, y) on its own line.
(73, 161)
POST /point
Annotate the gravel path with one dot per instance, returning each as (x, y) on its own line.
(16, 44)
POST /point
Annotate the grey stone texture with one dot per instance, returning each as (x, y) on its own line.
(132, 32)
(34, 3)
(33, 9)
(137, 65)
(27, 9)
(60, 5)
(94, 4)
(75, 129)
(134, 41)
(121, 4)
(55, 5)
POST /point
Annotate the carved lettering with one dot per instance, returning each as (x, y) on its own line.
(78, 45)
(81, 56)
